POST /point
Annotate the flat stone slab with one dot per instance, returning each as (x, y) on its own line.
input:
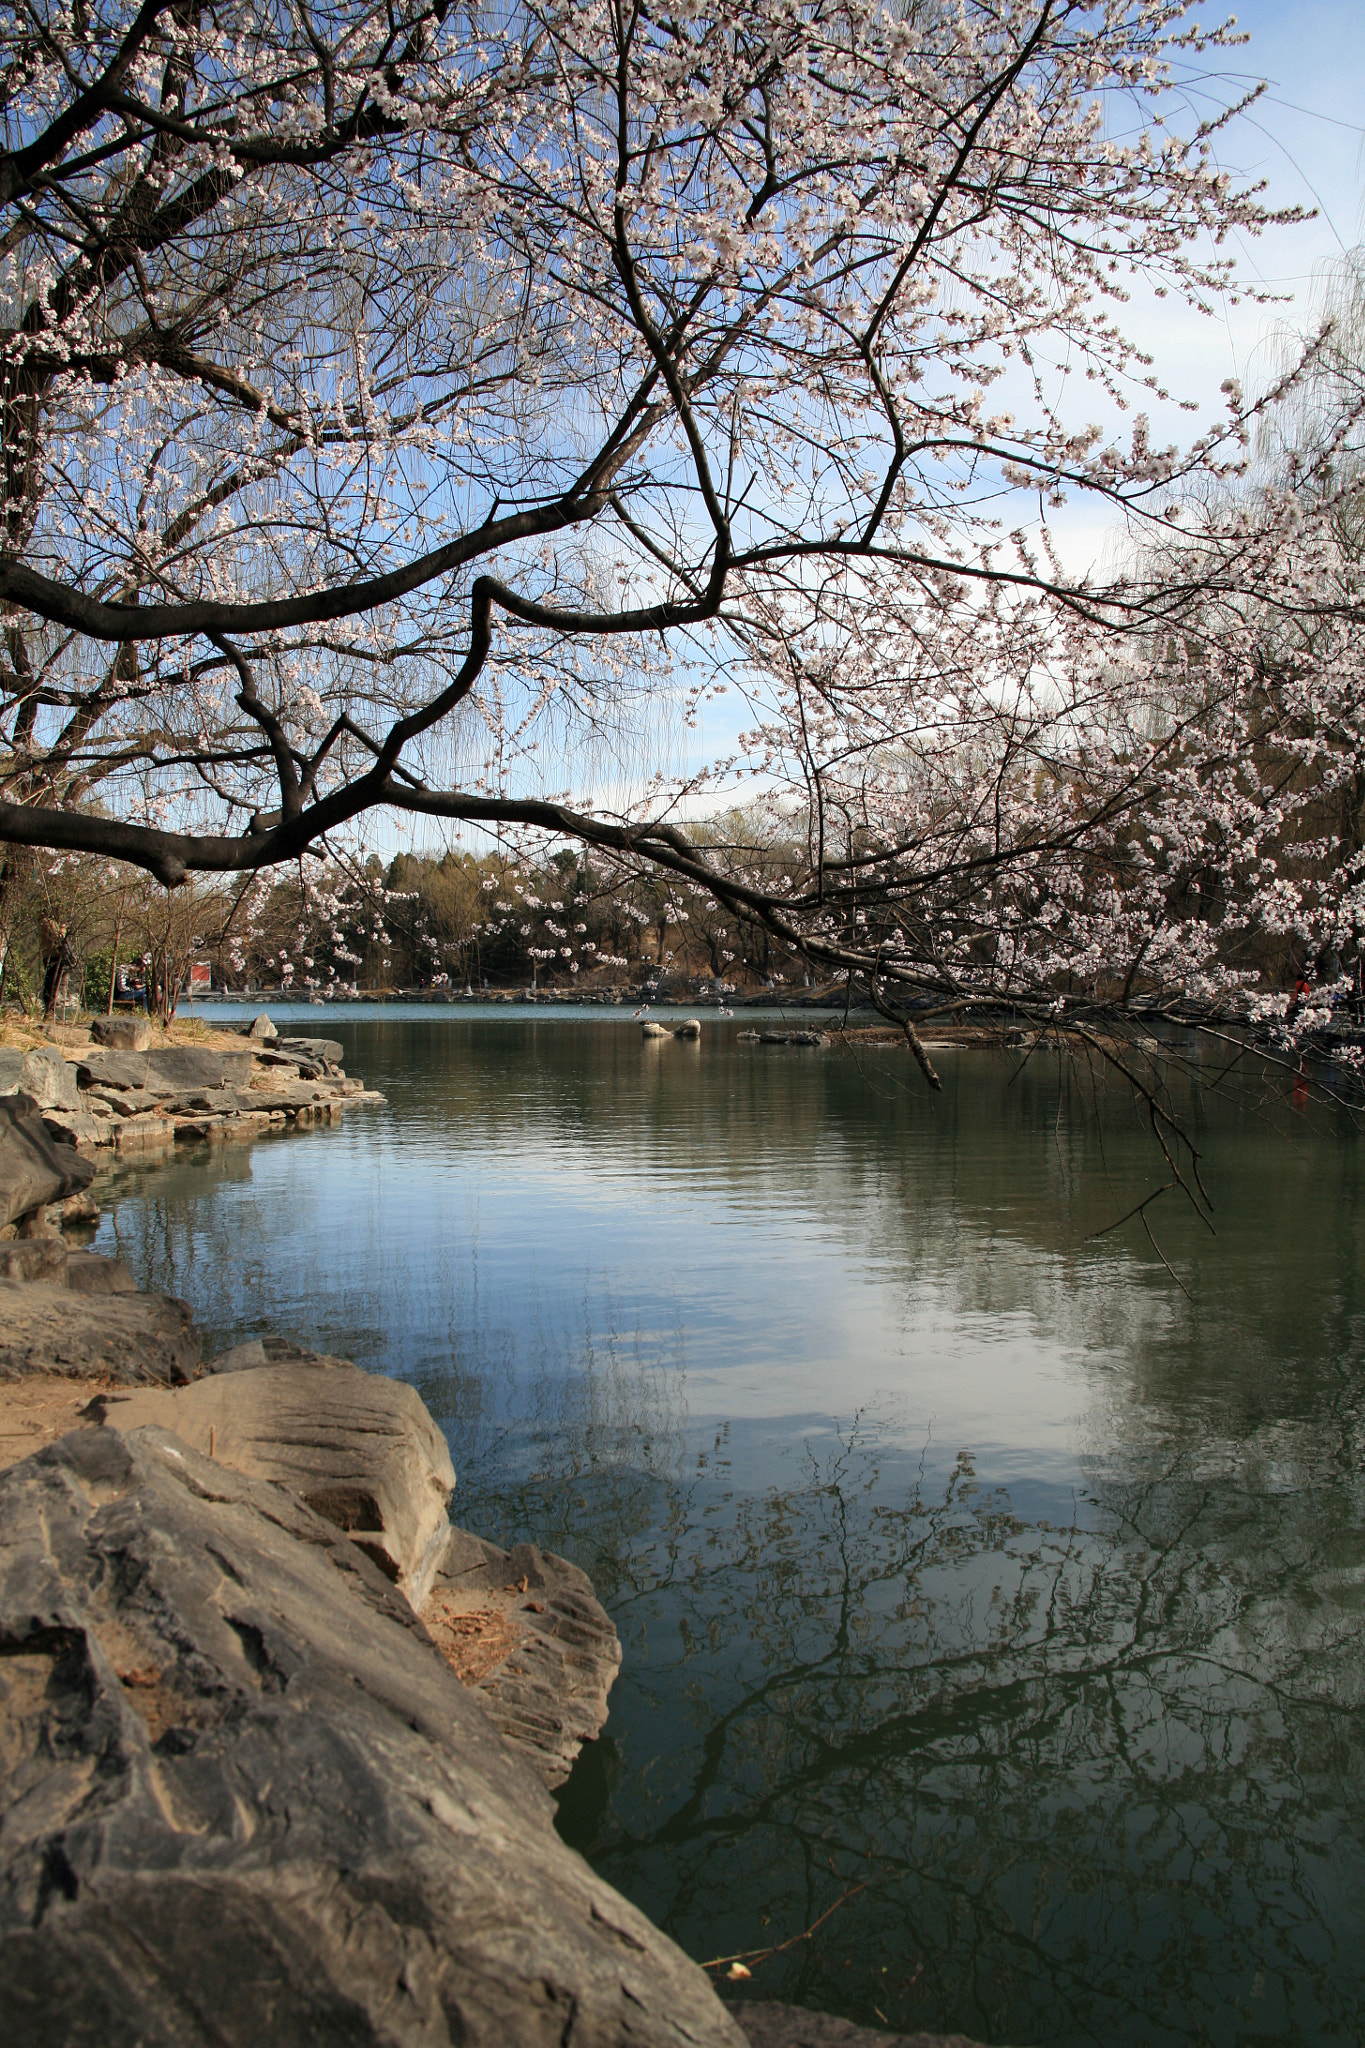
(128, 1337)
(525, 1630)
(245, 1802)
(172, 1068)
(360, 1449)
(35, 1167)
(288, 1094)
(312, 1049)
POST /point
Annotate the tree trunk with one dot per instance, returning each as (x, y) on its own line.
(113, 957)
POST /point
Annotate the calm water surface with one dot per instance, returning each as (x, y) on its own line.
(1003, 1584)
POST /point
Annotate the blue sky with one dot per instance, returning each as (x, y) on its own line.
(1306, 139)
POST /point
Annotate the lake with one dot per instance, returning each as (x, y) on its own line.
(991, 1593)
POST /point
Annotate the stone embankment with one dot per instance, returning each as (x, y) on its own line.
(123, 1084)
(278, 1739)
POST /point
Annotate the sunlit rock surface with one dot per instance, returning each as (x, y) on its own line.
(246, 1800)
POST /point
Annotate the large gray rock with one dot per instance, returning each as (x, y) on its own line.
(525, 1630)
(35, 1167)
(261, 1028)
(124, 1034)
(245, 1802)
(171, 1069)
(312, 1049)
(46, 1327)
(360, 1449)
(42, 1073)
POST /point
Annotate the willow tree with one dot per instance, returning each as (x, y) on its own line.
(403, 401)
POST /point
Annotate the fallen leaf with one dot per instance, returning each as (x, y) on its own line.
(737, 1971)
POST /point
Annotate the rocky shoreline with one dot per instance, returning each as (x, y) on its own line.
(122, 1083)
(278, 1736)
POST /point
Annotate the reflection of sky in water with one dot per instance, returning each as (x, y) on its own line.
(719, 1321)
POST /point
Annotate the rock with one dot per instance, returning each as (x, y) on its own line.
(769, 2025)
(35, 1167)
(792, 1038)
(124, 1101)
(42, 1074)
(130, 1338)
(203, 1102)
(35, 1225)
(80, 1208)
(173, 1069)
(312, 1049)
(746, 1037)
(318, 1113)
(124, 1034)
(34, 1258)
(651, 1030)
(268, 1350)
(245, 1801)
(246, 1357)
(261, 1028)
(140, 1133)
(524, 1628)
(360, 1449)
(76, 1127)
(690, 1029)
(92, 1273)
(287, 1094)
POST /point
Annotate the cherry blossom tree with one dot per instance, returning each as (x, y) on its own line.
(416, 408)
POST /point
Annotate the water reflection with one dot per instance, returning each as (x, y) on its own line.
(955, 1556)
(1100, 1780)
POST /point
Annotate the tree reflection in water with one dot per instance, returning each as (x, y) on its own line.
(1093, 1744)
(1093, 1767)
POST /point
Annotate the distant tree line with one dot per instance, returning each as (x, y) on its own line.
(83, 932)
